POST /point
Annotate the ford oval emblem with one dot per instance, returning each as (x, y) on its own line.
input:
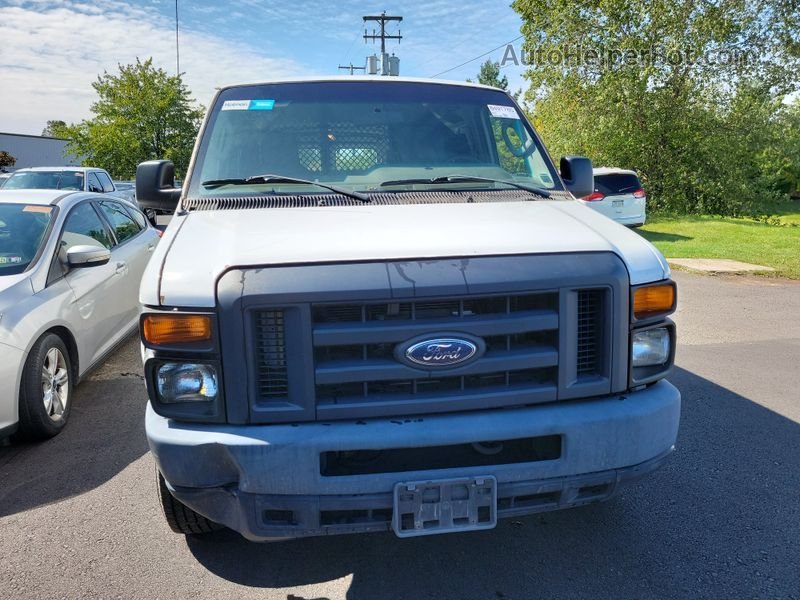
(440, 352)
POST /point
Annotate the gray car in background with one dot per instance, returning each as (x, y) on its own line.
(70, 266)
(87, 179)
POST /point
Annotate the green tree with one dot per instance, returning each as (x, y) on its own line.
(779, 159)
(54, 128)
(654, 85)
(490, 75)
(141, 113)
(6, 160)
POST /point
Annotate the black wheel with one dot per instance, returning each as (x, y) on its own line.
(45, 395)
(181, 518)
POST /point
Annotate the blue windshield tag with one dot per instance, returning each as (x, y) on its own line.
(261, 104)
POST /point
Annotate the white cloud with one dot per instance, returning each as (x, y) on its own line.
(50, 56)
(52, 50)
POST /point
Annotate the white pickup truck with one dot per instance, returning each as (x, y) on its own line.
(83, 179)
(379, 306)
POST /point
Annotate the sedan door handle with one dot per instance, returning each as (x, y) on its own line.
(122, 267)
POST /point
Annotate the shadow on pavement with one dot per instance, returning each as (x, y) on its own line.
(721, 519)
(104, 435)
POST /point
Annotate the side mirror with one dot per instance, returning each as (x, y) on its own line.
(79, 257)
(155, 185)
(576, 171)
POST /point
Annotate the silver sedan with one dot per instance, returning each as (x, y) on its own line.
(70, 266)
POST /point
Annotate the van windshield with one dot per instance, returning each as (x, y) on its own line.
(366, 136)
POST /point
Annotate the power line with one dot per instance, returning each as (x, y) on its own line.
(382, 19)
(476, 58)
(352, 68)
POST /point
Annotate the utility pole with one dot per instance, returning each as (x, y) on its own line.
(177, 45)
(382, 19)
(352, 68)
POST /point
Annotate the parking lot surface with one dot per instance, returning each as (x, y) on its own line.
(79, 516)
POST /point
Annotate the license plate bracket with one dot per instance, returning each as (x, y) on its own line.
(444, 506)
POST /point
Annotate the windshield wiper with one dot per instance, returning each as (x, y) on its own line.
(468, 179)
(213, 183)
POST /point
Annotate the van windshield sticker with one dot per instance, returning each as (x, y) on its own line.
(503, 112)
(10, 260)
(248, 105)
(236, 105)
(262, 104)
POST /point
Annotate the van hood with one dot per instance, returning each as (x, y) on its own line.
(199, 247)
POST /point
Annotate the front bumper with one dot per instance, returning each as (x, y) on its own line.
(12, 362)
(265, 481)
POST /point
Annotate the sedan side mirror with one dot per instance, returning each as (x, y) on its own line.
(576, 171)
(155, 185)
(87, 256)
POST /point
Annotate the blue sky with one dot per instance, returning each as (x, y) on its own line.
(52, 50)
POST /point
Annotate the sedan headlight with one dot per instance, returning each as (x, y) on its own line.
(186, 382)
(650, 347)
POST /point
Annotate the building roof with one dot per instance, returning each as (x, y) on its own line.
(30, 135)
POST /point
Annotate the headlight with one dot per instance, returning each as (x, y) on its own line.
(652, 353)
(650, 347)
(186, 382)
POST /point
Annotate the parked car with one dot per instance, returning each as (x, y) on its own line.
(87, 179)
(70, 266)
(126, 186)
(618, 194)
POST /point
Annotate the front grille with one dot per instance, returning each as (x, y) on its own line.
(590, 315)
(329, 342)
(477, 454)
(270, 342)
(356, 368)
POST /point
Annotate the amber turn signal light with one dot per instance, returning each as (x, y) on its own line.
(176, 329)
(653, 300)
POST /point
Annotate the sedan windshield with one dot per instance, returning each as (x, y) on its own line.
(45, 180)
(22, 233)
(367, 136)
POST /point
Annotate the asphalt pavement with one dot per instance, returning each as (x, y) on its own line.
(79, 516)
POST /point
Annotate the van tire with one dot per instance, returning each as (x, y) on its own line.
(181, 518)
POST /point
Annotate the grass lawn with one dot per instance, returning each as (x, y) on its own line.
(776, 246)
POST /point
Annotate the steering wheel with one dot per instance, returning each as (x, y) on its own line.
(521, 152)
